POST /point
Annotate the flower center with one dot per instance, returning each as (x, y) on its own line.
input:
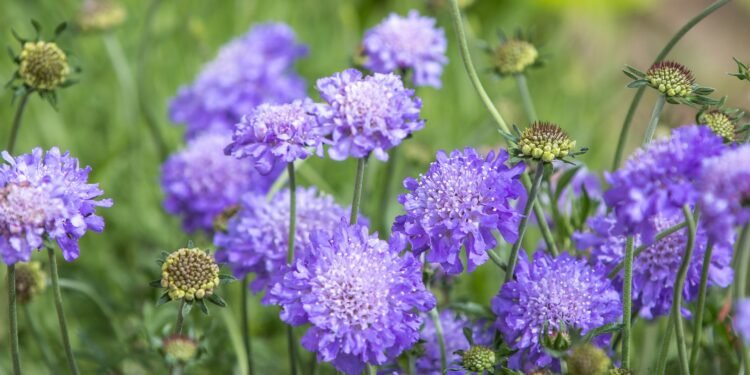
(189, 274)
(367, 100)
(671, 78)
(24, 207)
(515, 55)
(407, 36)
(43, 65)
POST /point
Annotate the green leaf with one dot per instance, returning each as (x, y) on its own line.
(60, 28)
(216, 300)
(472, 308)
(203, 307)
(18, 37)
(565, 180)
(469, 334)
(155, 284)
(190, 244)
(163, 299)
(638, 83)
(160, 262)
(226, 279)
(37, 26)
(187, 307)
(605, 329)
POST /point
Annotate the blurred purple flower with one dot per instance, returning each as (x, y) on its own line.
(46, 195)
(742, 319)
(453, 333)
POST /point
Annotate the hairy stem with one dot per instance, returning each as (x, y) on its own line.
(292, 343)
(513, 259)
(292, 213)
(246, 326)
(661, 360)
(358, 181)
(627, 308)
(15, 353)
(698, 330)
(180, 318)
(441, 340)
(17, 122)
(528, 104)
(654, 119)
(659, 236)
(677, 296)
(60, 312)
(743, 249)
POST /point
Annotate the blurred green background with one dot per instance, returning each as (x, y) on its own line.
(110, 307)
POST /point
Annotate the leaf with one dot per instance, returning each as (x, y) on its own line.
(203, 307)
(163, 299)
(155, 284)
(190, 244)
(565, 180)
(216, 300)
(187, 307)
(60, 28)
(603, 330)
(37, 26)
(472, 308)
(637, 84)
(226, 279)
(469, 334)
(160, 262)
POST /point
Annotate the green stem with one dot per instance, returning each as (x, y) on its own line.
(743, 249)
(513, 259)
(180, 318)
(17, 122)
(627, 308)
(411, 365)
(441, 340)
(528, 105)
(677, 296)
(496, 259)
(246, 327)
(60, 313)
(698, 330)
(292, 343)
(654, 119)
(41, 343)
(385, 191)
(659, 236)
(292, 213)
(372, 370)
(13, 320)
(122, 70)
(541, 219)
(358, 181)
(662, 54)
(661, 361)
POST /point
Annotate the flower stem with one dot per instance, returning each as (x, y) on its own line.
(743, 249)
(180, 318)
(292, 213)
(411, 365)
(661, 361)
(60, 313)
(246, 327)
(659, 236)
(496, 259)
(17, 121)
(627, 302)
(292, 343)
(441, 339)
(41, 343)
(528, 105)
(122, 71)
(654, 119)
(662, 54)
(698, 330)
(677, 296)
(513, 259)
(385, 191)
(358, 181)
(13, 320)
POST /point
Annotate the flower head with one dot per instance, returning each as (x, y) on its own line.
(30, 281)
(659, 179)
(367, 114)
(453, 326)
(43, 65)
(671, 78)
(411, 42)
(742, 319)
(461, 200)
(544, 141)
(200, 182)
(100, 15)
(724, 188)
(549, 292)
(189, 274)
(180, 348)
(256, 238)
(588, 359)
(280, 133)
(719, 122)
(478, 359)
(653, 269)
(46, 195)
(252, 69)
(514, 56)
(360, 297)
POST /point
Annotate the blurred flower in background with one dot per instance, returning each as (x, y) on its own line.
(100, 15)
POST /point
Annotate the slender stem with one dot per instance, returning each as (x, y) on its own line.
(385, 190)
(358, 181)
(292, 343)
(441, 339)
(372, 370)
(677, 296)
(13, 320)
(17, 121)
(662, 54)
(528, 104)
(122, 71)
(661, 361)
(541, 219)
(60, 313)
(496, 259)
(627, 308)
(180, 318)
(659, 236)
(698, 330)
(246, 327)
(292, 212)
(743, 248)
(654, 119)
(41, 343)
(513, 259)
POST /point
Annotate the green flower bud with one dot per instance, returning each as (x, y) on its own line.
(180, 348)
(189, 274)
(478, 359)
(513, 56)
(544, 141)
(720, 123)
(30, 281)
(588, 359)
(43, 65)
(671, 78)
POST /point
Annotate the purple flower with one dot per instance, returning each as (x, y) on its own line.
(46, 195)
(725, 193)
(252, 69)
(277, 133)
(460, 202)
(453, 333)
(360, 297)
(256, 238)
(742, 319)
(200, 182)
(367, 114)
(411, 42)
(654, 269)
(549, 291)
(660, 179)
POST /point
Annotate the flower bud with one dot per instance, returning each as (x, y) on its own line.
(30, 281)
(43, 65)
(189, 274)
(180, 348)
(671, 78)
(478, 359)
(513, 56)
(588, 359)
(544, 141)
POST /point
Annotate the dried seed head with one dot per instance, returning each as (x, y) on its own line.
(588, 359)
(720, 123)
(671, 78)
(514, 56)
(189, 274)
(43, 65)
(545, 141)
(478, 359)
(180, 348)
(30, 281)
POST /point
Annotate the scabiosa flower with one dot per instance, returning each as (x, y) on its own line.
(277, 133)
(659, 179)
(189, 274)
(200, 182)
(360, 297)
(478, 359)
(587, 359)
(544, 141)
(550, 291)
(46, 195)
(30, 281)
(725, 193)
(367, 114)
(256, 238)
(252, 69)
(653, 270)
(514, 56)
(453, 334)
(411, 42)
(721, 123)
(742, 319)
(671, 78)
(461, 201)
(180, 348)
(43, 65)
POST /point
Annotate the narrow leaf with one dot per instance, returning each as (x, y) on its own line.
(216, 300)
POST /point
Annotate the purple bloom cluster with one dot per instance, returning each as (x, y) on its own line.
(200, 182)
(654, 269)
(46, 195)
(367, 114)
(660, 179)
(453, 333)
(274, 133)
(549, 291)
(461, 200)
(359, 296)
(256, 238)
(725, 193)
(742, 319)
(252, 69)
(411, 42)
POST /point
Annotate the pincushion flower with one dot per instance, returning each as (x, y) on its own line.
(742, 319)
(252, 69)
(367, 114)
(453, 333)
(725, 193)
(281, 133)
(461, 201)
(46, 195)
(659, 179)
(654, 269)
(361, 299)
(411, 42)
(200, 182)
(256, 238)
(550, 291)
